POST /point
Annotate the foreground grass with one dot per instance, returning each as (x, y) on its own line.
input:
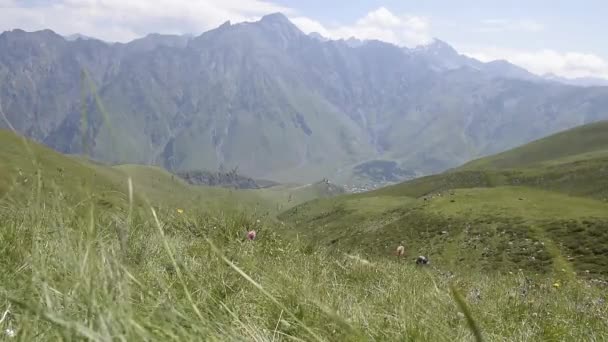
(82, 258)
(145, 274)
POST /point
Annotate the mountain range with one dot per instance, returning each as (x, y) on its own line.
(277, 103)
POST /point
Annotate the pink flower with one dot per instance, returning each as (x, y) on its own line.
(251, 235)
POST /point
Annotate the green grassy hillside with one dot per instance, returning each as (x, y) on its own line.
(289, 195)
(77, 264)
(580, 143)
(25, 164)
(574, 162)
(542, 212)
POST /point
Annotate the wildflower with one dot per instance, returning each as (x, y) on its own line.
(556, 285)
(10, 332)
(180, 211)
(251, 235)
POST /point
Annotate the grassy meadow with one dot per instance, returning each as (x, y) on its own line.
(131, 253)
(156, 274)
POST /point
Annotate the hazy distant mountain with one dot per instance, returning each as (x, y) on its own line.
(580, 81)
(441, 56)
(354, 42)
(77, 36)
(154, 41)
(278, 103)
(318, 36)
(502, 68)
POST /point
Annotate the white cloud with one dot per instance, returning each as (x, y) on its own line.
(500, 25)
(567, 64)
(380, 24)
(122, 20)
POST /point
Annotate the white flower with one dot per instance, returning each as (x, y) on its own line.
(10, 332)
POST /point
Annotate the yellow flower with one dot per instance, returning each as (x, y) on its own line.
(180, 211)
(556, 285)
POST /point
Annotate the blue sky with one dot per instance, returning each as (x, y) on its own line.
(565, 37)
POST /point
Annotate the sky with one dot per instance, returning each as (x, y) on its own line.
(563, 37)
